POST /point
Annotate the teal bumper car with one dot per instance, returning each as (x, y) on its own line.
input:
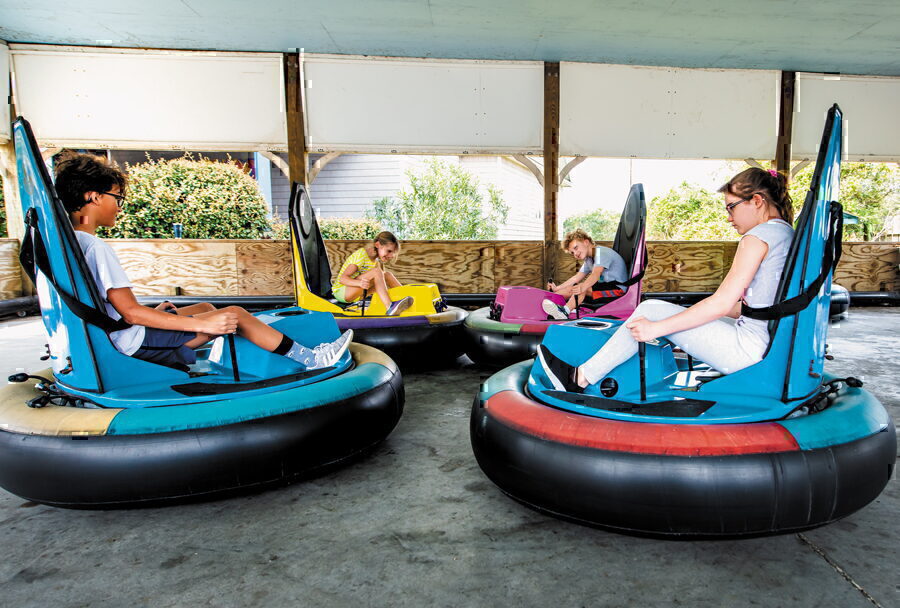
(665, 446)
(101, 429)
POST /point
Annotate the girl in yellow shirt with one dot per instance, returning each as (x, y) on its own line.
(361, 271)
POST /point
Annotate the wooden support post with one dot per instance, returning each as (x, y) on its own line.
(15, 222)
(551, 168)
(785, 125)
(296, 136)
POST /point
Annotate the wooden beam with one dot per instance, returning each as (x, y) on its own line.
(800, 167)
(320, 164)
(47, 153)
(551, 167)
(569, 166)
(785, 124)
(296, 136)
(531, 166)
(278, 162)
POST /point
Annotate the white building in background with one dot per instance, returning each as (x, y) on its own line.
(346, 186)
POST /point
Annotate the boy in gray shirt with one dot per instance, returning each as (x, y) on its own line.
(600, 264)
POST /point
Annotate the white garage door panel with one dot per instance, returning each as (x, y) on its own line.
(650, 112)
(384, 105)
(4, 93)
(871, 107)
(151, 99)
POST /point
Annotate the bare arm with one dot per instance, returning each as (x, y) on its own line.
(347, 280)
(588, 282)
(123, 300)
(573, 280)
(723, 302)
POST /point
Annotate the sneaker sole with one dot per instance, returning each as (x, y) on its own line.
(553, 310)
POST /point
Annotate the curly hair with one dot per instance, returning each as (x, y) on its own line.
(576, 235)
(77, 174)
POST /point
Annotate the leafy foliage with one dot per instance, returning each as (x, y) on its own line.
(689, 212)
(870, 191)
(349, 228)
(443, 202)
(211, 200)
(600, 224)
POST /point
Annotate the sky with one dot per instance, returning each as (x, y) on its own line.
(604, 182)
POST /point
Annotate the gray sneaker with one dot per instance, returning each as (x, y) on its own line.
(329, 353)
(399, 306)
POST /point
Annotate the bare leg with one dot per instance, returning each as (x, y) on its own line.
(187, 311)
(248, 326)
(376, 276)
(391, 280)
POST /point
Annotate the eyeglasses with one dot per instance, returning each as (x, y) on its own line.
(120, 198)
(730, 207)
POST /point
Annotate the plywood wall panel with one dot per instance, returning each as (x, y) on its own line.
(222, 268)
(10, 273)
(199, 268)
(264, 268)
(869, 267)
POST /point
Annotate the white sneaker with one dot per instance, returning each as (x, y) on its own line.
(560, 313)
(328, 354)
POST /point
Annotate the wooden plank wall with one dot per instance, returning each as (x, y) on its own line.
(10, 273)
(238, 267)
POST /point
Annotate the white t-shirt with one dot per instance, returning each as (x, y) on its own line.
(777, 234)
(108, 274)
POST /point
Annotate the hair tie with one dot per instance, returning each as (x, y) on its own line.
(773, 172)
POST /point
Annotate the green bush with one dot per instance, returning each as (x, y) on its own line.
(442, 202)
(870, 191)
(600, 224)
(211, 200)
(349, 228)
(689, 212)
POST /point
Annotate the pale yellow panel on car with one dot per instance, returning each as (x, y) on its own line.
(53, 420)
(363, 353)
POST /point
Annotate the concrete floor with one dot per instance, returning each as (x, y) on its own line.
(417, 524)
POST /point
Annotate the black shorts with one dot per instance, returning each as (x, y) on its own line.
(167, 347)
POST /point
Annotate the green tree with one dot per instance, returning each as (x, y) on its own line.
(870, 191)
(689, 212)
(210, 200)
(442, 202)
(600, 224)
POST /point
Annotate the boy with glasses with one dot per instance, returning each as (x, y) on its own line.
(93, 192)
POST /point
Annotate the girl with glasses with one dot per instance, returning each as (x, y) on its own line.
(759, 208)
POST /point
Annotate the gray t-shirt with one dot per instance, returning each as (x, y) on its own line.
(614, 268)
(777, 234)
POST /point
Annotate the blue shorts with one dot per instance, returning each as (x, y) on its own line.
(167, 347)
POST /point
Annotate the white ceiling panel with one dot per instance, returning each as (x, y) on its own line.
(356, 104)
(144, 99)
(652, 112)
(871, 107)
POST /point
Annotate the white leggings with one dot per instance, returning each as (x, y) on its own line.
(716, 343)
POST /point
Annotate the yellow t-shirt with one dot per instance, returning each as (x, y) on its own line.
(363, 264)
